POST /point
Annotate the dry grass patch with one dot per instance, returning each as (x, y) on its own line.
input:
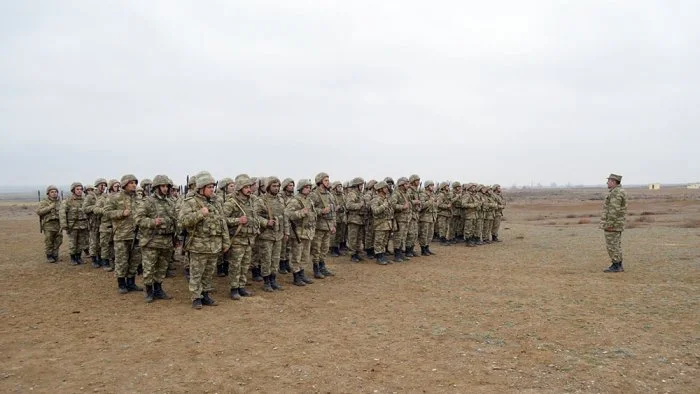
(584, 221)
(644, 219)
(690, 223)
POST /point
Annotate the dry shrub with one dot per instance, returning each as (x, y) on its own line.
(552, 223)
(632, 225)
(691, 223)
(570, 216)
(536, 218)
(645, 219)
(647, 213)
(584, 221)
(520, 237)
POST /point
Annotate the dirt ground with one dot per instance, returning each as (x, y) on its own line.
(534, 313)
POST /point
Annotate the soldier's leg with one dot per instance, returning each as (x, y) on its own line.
(121, 258)
(265, 251)
(431, 230)
(105, 250)
(94, 235)
(412, 234)
(486, 236)
(197, 264)
(423, 234)
(49, 237)
(305, 261)
(208, 273)
(134, 261)
(161, 267)
(149, 260)
(73, 242)
(613, 243)
(240, 262)
(353, 240)
(57, 242)
(316, 245)
(380, 241)
(83, 239)
(295, 254)
(495, 227)
(401, 236)
(479, 229)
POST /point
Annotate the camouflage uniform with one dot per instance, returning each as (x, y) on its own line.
(325, 226)
(456, 227)
(271, 207)
(356, 210)
(488, 206)
(369, 226)
(157, 239)
(341, 227)
(94, 221)
(444, 211)
(427, 217)
(479, 202)
(303, 227)
(498, 212)
(242, 236)
(414, 197)
(382, 219)
(207, 237)
(50, 224)
(287, 183)
(470, 203)
(106, 233)
(74, 220)
(612, 221)
(402, 216)
(191, 192)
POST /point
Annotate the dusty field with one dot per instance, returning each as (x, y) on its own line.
(532, 314)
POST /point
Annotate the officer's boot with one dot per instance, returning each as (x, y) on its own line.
(323, 269)
(297, 279)
(303, 277)
(409, 252)
(404, 256)
(131, 285)
(207, 300)
(317, 273)
(267, 286)
(50, 259)
(283, 268)
(273, 282)
(109, 267)
(149, 294)
(197, 303)
(121, 282)
(256, 272)
(159, 293)
(95, 262)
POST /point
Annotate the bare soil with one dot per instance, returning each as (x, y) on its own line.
(534, 313)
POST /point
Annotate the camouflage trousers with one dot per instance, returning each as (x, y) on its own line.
(94, 241)
(155, 264)
(341, 233)
(126, 260)
(106, 245)
(255, 259)
(486, 229)
(381, 240)
(400, 236)
(77, 240)
(52, 241)
(496, 225)
(412, 233)
(239, 258)
(356, 234)
(300, 254)
(613, 243)
(443, 225)
(284, 251)
(320, 245)
(469, 228)
(456, 227)
(269, 255)
(202, 266)
(369, 235)
(425, 233)
(479, 228)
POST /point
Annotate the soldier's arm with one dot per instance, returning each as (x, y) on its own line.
(62, 216)
(45, 206)
(143, 215)
(189, 217)
(113, 210)
(232, 214)
(293, 210)
(354, 203)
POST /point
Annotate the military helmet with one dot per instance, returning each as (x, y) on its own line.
(224, 182)
(401, 181)
(428, 183)
(443, 185)
(335, 184)
(286, 182)
(99, 181)
(269, 181)
(371, 183)
(146, 181)
(479, 187)
(74, 185)
(243, 182)
(204, 179)
(389, 180)
(413, 177)
(51, 187)
(111, 183)
(88, 186)
(128, 178)
(356, 182)
(320, 176)
(303, 183)
(495, 186)
(380, 185)
(456, 184)
(191, 180)
(346, 184)
(160, 180)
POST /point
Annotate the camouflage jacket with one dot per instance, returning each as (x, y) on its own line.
(89, 204)
(152, 235)
(382, 213)
(236, 207)
(48, 213)
(304, 223)
(428, 211)
(71, 214)
(444, 204)
(488, 205)
(324, 199)
(205, 234)
(356, 207)
(124, 227)
(341, 214)
(99, 210)
(414, 195)
(500, 204)
(398, 200)
(470, 203)
(272, 207)
(614, 210)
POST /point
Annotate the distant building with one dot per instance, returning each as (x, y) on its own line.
(654, 186)
(694, 186)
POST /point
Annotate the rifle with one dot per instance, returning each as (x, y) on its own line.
(187, 183)
(294, 230)
(41, 228)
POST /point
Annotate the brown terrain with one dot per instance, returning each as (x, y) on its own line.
(534, 313)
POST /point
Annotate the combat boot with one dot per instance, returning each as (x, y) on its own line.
(381, 260)
(478, 241)
(287, 266)
(404, 256)
(131, 285)
(206, 300)
(149, 294)
(409, 252)
(335, 251)
(255, 271)
(121, 282)
(323, 269)
(273, 282)
(283, 268)
(197, 303)
(50, 259)
(95, 264)
(109, 267)
(267, 286)
(220, 270)
(303, 277)
(139, 269)
(73, 260)
(494, 238)
(355, 258)
(244, 293)
(317, 272)
(370, 252)
(430, 252)
(187, 273)
(397, 256)
(297, 279)
(615, 267)
(159, 293)
(443, 241)
(234, 294)
(424, 251)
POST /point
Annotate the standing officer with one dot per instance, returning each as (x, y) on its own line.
(50, 223)
(612, 221)
(74, 220)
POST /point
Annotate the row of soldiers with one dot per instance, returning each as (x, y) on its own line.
(269, 225)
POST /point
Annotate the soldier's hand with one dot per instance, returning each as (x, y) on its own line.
(126, 212)
(325, 210)
(159, 221)
(204, 211)
(270, 223)
(305, 211)
(243, 219)
(225, 249)
(333, 230)
(416, 202)
(406, 205)
(286, 238)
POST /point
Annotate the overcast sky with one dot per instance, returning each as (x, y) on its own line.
(509, 92)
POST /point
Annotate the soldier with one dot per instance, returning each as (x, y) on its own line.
(191, 191)
(356, 210)
(341, 227)
(612, 221)
(207, 237)
(369, 227)
(402, 216)
(106, 234)
(426, 218)
(226, 189)
(488, 205)
(456, 228)
(382, 217)
(121, 209)
(302, 220)
(244, 226)
(146, 185)
(479, 202)
(74, 222)
(325, 225)
(498, 212)
(274, 228)
(413, 195)
(444, 211)
(94, 220)
(287, 194)
(157, 221)
(470, 203)
(48, 211)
